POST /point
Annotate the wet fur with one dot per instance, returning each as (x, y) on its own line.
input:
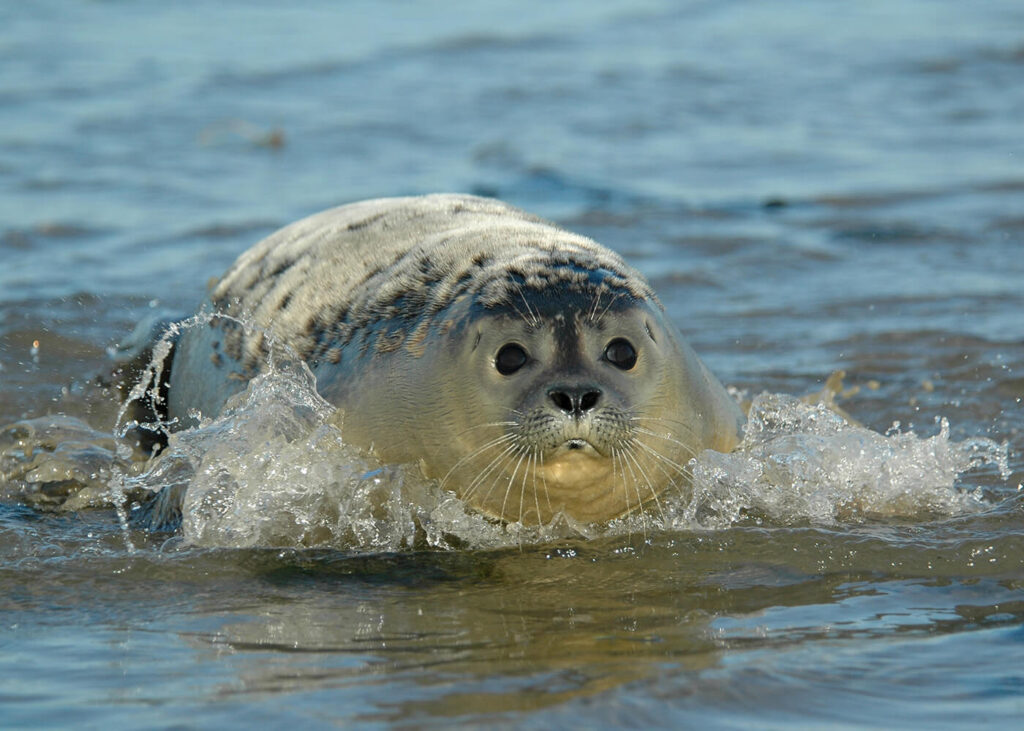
(398, 305)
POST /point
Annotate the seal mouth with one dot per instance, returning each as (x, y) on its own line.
(578, 446)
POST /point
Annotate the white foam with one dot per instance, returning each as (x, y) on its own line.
(805, 463)
(274, 470)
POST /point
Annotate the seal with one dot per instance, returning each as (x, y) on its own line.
(528, 369)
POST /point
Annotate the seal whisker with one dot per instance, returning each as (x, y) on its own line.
(686, 447)
(657, 462)
(677, 470)
(522, 489)
(636, 488)
(497, 475)
(617, 468)
(536, 495)
(682, 469)
(592, 315)
(534, 319)
(609, 306)
(477, 427)
(511, 479)
(650, 485)
(496, 463)
(476, 453)
(544, 482)
(673, 422)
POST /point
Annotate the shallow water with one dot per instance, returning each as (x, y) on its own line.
(812, 189)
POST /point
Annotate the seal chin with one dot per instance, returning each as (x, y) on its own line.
(575, 469)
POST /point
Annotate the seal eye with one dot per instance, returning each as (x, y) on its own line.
(510, 359)
(621, 354)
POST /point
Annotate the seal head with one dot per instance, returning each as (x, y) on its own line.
(526, 368)
(583, 403)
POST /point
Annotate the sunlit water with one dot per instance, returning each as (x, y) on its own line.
(809, 190)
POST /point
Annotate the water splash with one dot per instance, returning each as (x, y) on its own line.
(273, 469)
(802, 463)
(59, 461)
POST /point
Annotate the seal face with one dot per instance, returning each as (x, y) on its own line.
(528, 369)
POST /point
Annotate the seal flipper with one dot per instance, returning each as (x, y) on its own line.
(142, 374)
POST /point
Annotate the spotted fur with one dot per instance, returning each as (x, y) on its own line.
(319, 282)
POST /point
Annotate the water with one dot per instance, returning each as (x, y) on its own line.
(809, 189)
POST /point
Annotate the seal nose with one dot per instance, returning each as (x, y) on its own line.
(575, 401)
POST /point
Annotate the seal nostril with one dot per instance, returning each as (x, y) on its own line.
(561, 400)
(574, 400)
(589, 400)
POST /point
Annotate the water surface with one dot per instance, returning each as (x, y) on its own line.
(808, 189)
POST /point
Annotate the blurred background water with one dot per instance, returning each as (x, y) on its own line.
(809, 187)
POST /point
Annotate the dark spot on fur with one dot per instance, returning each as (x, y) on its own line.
(281, 268)
(356, 225)
(389, 341)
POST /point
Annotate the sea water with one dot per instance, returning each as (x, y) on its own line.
(810, 189)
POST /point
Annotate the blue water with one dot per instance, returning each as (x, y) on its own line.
(808, 187)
